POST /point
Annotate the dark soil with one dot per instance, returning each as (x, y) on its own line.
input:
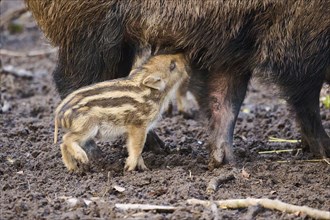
(35, 184)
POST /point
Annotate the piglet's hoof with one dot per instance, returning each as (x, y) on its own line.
(220, 155)
(81, 156)
(141, 165)
(133, 164)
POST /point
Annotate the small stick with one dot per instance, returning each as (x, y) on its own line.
(216, 181)
(253, 211)
(107, 186)
(9, 69)
(312, 161)
(273, 139)
(326, 160)
(28, 54)
(279, 151)
(11, 15)
(145, 207)
(29, 186)
(266, 203)
(214, 210)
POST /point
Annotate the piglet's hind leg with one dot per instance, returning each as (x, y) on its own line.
(74, 149)
(69, 162)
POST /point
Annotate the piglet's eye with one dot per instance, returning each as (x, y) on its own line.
(172, 65)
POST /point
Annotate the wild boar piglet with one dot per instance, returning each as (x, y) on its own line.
(130, 106)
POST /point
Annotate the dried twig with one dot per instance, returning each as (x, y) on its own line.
(266, 203)
(33, 53)
(273, 139)
(216, 181)
(107, 186)
(253, 211)
(214, 210)
(326, 160)
(145, 207)
(279, 151)
(17, 72)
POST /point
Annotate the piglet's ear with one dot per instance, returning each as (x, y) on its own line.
(154, 82)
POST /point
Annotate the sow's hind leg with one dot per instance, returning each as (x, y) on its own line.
(226, 92)
(304, 98)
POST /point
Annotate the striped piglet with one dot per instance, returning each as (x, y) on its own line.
(130, 106)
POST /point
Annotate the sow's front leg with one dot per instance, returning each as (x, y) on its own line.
(226, 92)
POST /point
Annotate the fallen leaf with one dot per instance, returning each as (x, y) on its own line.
(326, 101)
(11, 161)
(245, 174)
(72, 202)
(65, 197)
(297, 213)
(87, 202)
(246, 110)
(119, 188)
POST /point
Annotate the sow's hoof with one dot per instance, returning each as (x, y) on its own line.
(92, 150)
(319, 148)
(220, 155)
(155, 144)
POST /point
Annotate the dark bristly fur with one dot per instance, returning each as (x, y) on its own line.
(286, 42)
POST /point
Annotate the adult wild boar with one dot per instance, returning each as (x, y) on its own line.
(285, 42)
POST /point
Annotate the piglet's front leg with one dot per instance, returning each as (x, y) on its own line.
(135, 142)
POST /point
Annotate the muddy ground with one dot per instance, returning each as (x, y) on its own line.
(36, 185)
